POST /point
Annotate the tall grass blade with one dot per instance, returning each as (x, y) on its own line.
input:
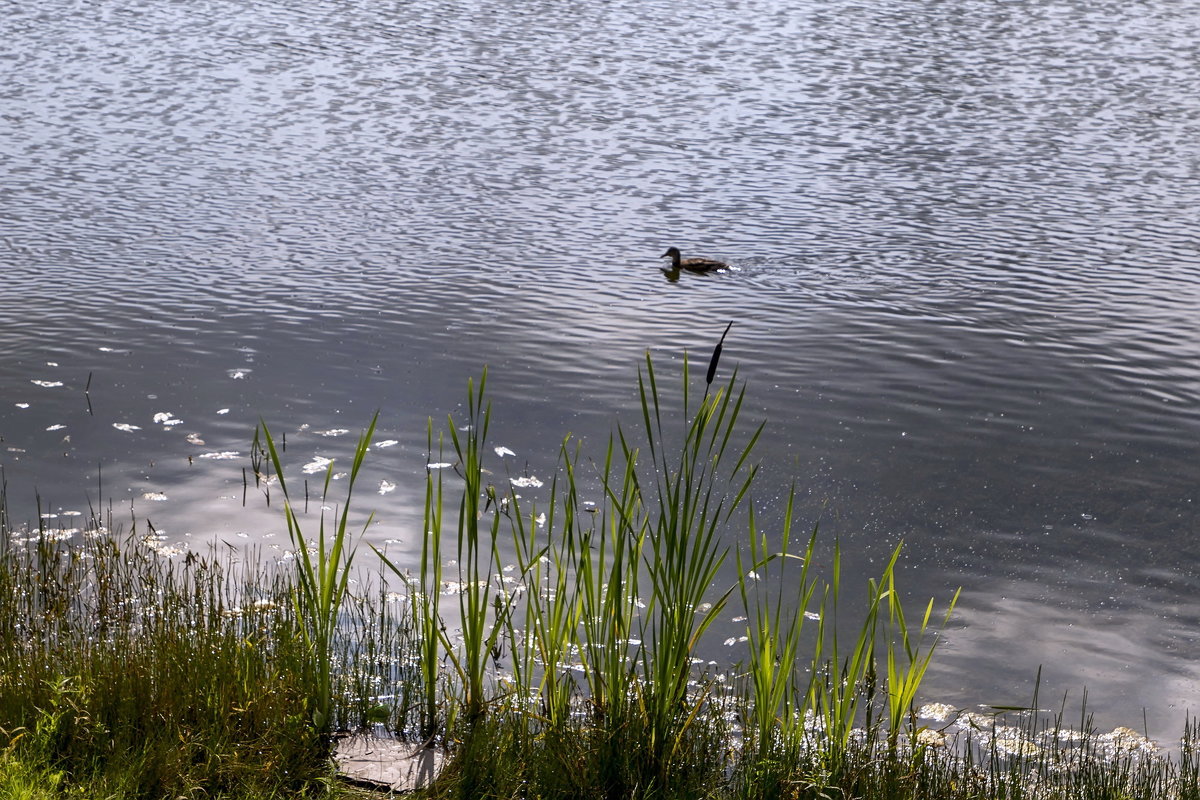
(322, 573)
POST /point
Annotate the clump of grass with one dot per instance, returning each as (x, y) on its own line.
(484, 602)
(694, 495)
(592, 683)
(906, 664)
(125, 669)
(128, 672)
(589, 652)
(776, 720)
(322, 575)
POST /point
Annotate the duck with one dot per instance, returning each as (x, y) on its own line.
(691, 264)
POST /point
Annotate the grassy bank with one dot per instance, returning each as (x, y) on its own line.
(554, 649)
(125, 672)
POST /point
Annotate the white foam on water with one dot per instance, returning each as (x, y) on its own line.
(526, 482)
(316, 465)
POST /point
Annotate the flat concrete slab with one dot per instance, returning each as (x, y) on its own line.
(388, 763)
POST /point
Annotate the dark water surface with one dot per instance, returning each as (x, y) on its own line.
(965, 241)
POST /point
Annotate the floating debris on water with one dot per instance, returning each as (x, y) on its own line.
(158, 543)
(61, 535)
(386, 486)
(1013, 746)
(1123, 738)
(126, 427)
(1023, 741)
(21, 405)
(56, 427)
(157, 497)
(224, 455)
(237, 374)
(528, 481)
(504, 451)
(316, 465)
(438, 465)
(222, 410)
(333, 432)
(194, 438)
(939, 712)
(165, 418)
(47, 384)
(386, 443)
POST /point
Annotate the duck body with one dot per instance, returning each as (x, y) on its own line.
(692, 264)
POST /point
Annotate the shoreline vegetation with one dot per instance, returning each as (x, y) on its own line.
(550, 650)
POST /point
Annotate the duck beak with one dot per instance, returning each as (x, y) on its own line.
(664, 255)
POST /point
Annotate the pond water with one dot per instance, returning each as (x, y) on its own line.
(965, 277)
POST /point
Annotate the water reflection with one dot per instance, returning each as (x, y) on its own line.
(964, 239)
